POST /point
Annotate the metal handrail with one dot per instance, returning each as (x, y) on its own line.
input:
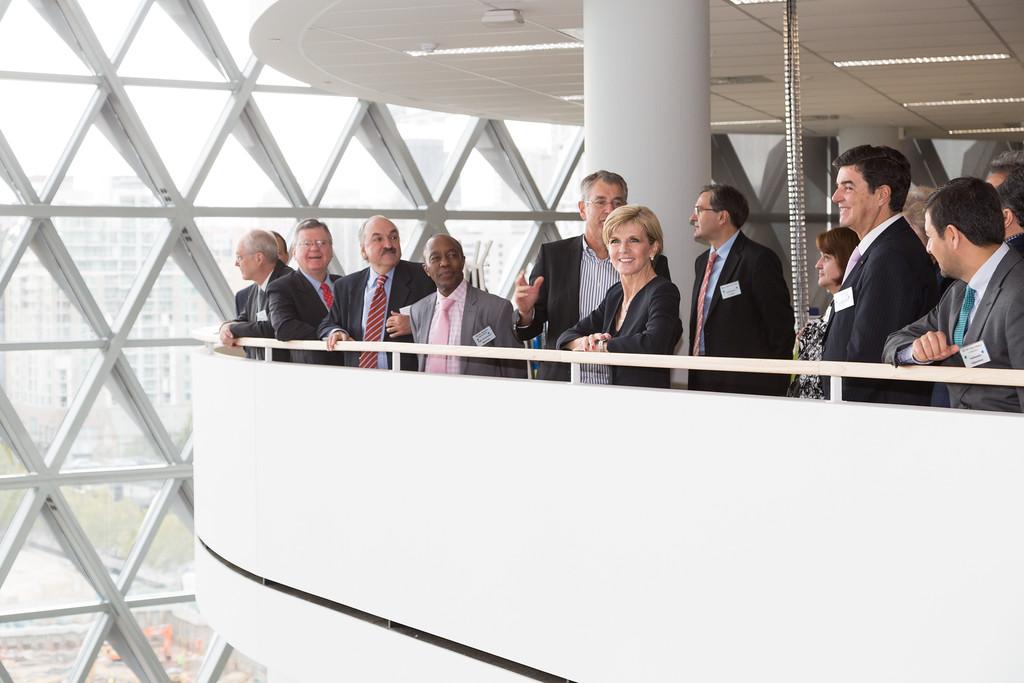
(833, 369)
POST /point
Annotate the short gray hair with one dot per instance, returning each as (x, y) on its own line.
(261, 242)
(605, 177)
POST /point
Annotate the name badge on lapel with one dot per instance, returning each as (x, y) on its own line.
(974, 354)
(843, 299)
(730, 290)
(261, 316)
(484, 336)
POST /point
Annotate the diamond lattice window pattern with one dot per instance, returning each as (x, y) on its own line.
(115, 125)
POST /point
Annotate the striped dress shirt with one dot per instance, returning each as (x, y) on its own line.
(596, 277)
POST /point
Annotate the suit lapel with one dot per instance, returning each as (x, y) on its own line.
(995, 285)
(426, 314)
(469, 316)
(355, 305)
(728, 272)
(954, 308)
(253, 305)
(699, 268)
(572, 294)
(399, 288)
(611, 311)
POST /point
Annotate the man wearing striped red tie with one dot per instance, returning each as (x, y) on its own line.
(367, 303)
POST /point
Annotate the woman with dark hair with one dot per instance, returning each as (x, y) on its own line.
(835, 246)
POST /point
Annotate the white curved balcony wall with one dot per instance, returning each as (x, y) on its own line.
(615, 534)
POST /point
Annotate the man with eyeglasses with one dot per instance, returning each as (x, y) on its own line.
(242, 295)
(256, 258)
(300, 300)
(740, 306)
(571, 277)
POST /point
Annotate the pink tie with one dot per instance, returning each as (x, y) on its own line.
(699, 328)
(854, 258)
(439, 334)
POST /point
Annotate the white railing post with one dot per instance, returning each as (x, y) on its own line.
(574, 373)
(835, 385)
(268, 354)
(396, 361)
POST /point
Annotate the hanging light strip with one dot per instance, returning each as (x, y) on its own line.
(795, 164)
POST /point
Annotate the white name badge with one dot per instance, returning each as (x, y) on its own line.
(974, 354)
(730, 290)
(261, 317)
(843, 299)
(483, 336)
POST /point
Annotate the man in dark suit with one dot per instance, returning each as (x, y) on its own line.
(571, 277)
(459, 314)
(889, 280)
(980, 320)
(242, 295)
(299, 301)
(367, 304)
(1011, 194)
(740, 307)
(256, 258)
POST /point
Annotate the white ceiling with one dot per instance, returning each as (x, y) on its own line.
(357, 48)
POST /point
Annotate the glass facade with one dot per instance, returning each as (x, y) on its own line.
(139, 140)
(126, 178)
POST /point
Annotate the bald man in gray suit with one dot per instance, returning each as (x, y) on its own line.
(462, 315)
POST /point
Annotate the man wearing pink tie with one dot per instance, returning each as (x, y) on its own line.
(461, 315)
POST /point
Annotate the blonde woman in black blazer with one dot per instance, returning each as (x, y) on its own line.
(640, 314)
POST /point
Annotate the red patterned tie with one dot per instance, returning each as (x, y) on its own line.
(328, 296)
(699, 329)
(375, 323)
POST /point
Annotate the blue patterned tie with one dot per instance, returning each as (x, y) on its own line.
(965, 313)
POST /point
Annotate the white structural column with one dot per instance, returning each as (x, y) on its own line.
(852, 136)
(647, 110)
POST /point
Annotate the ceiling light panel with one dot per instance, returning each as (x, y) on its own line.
(952, 103)
(984, 131)
(920, 60)
(749, 122)
(495, 49)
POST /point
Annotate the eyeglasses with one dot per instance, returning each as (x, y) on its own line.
(306, 244)
(698, 209)
(601, 202)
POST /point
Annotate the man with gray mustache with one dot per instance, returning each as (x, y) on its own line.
(367, 303)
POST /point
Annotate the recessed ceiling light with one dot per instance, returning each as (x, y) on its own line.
(980, 131)
(495, 49)
(753, 2)
(749, 122)
(921, 60)
(950, 103)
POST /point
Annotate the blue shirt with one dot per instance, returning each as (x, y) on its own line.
(722, 253)
(316, 286)
(368, 292)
